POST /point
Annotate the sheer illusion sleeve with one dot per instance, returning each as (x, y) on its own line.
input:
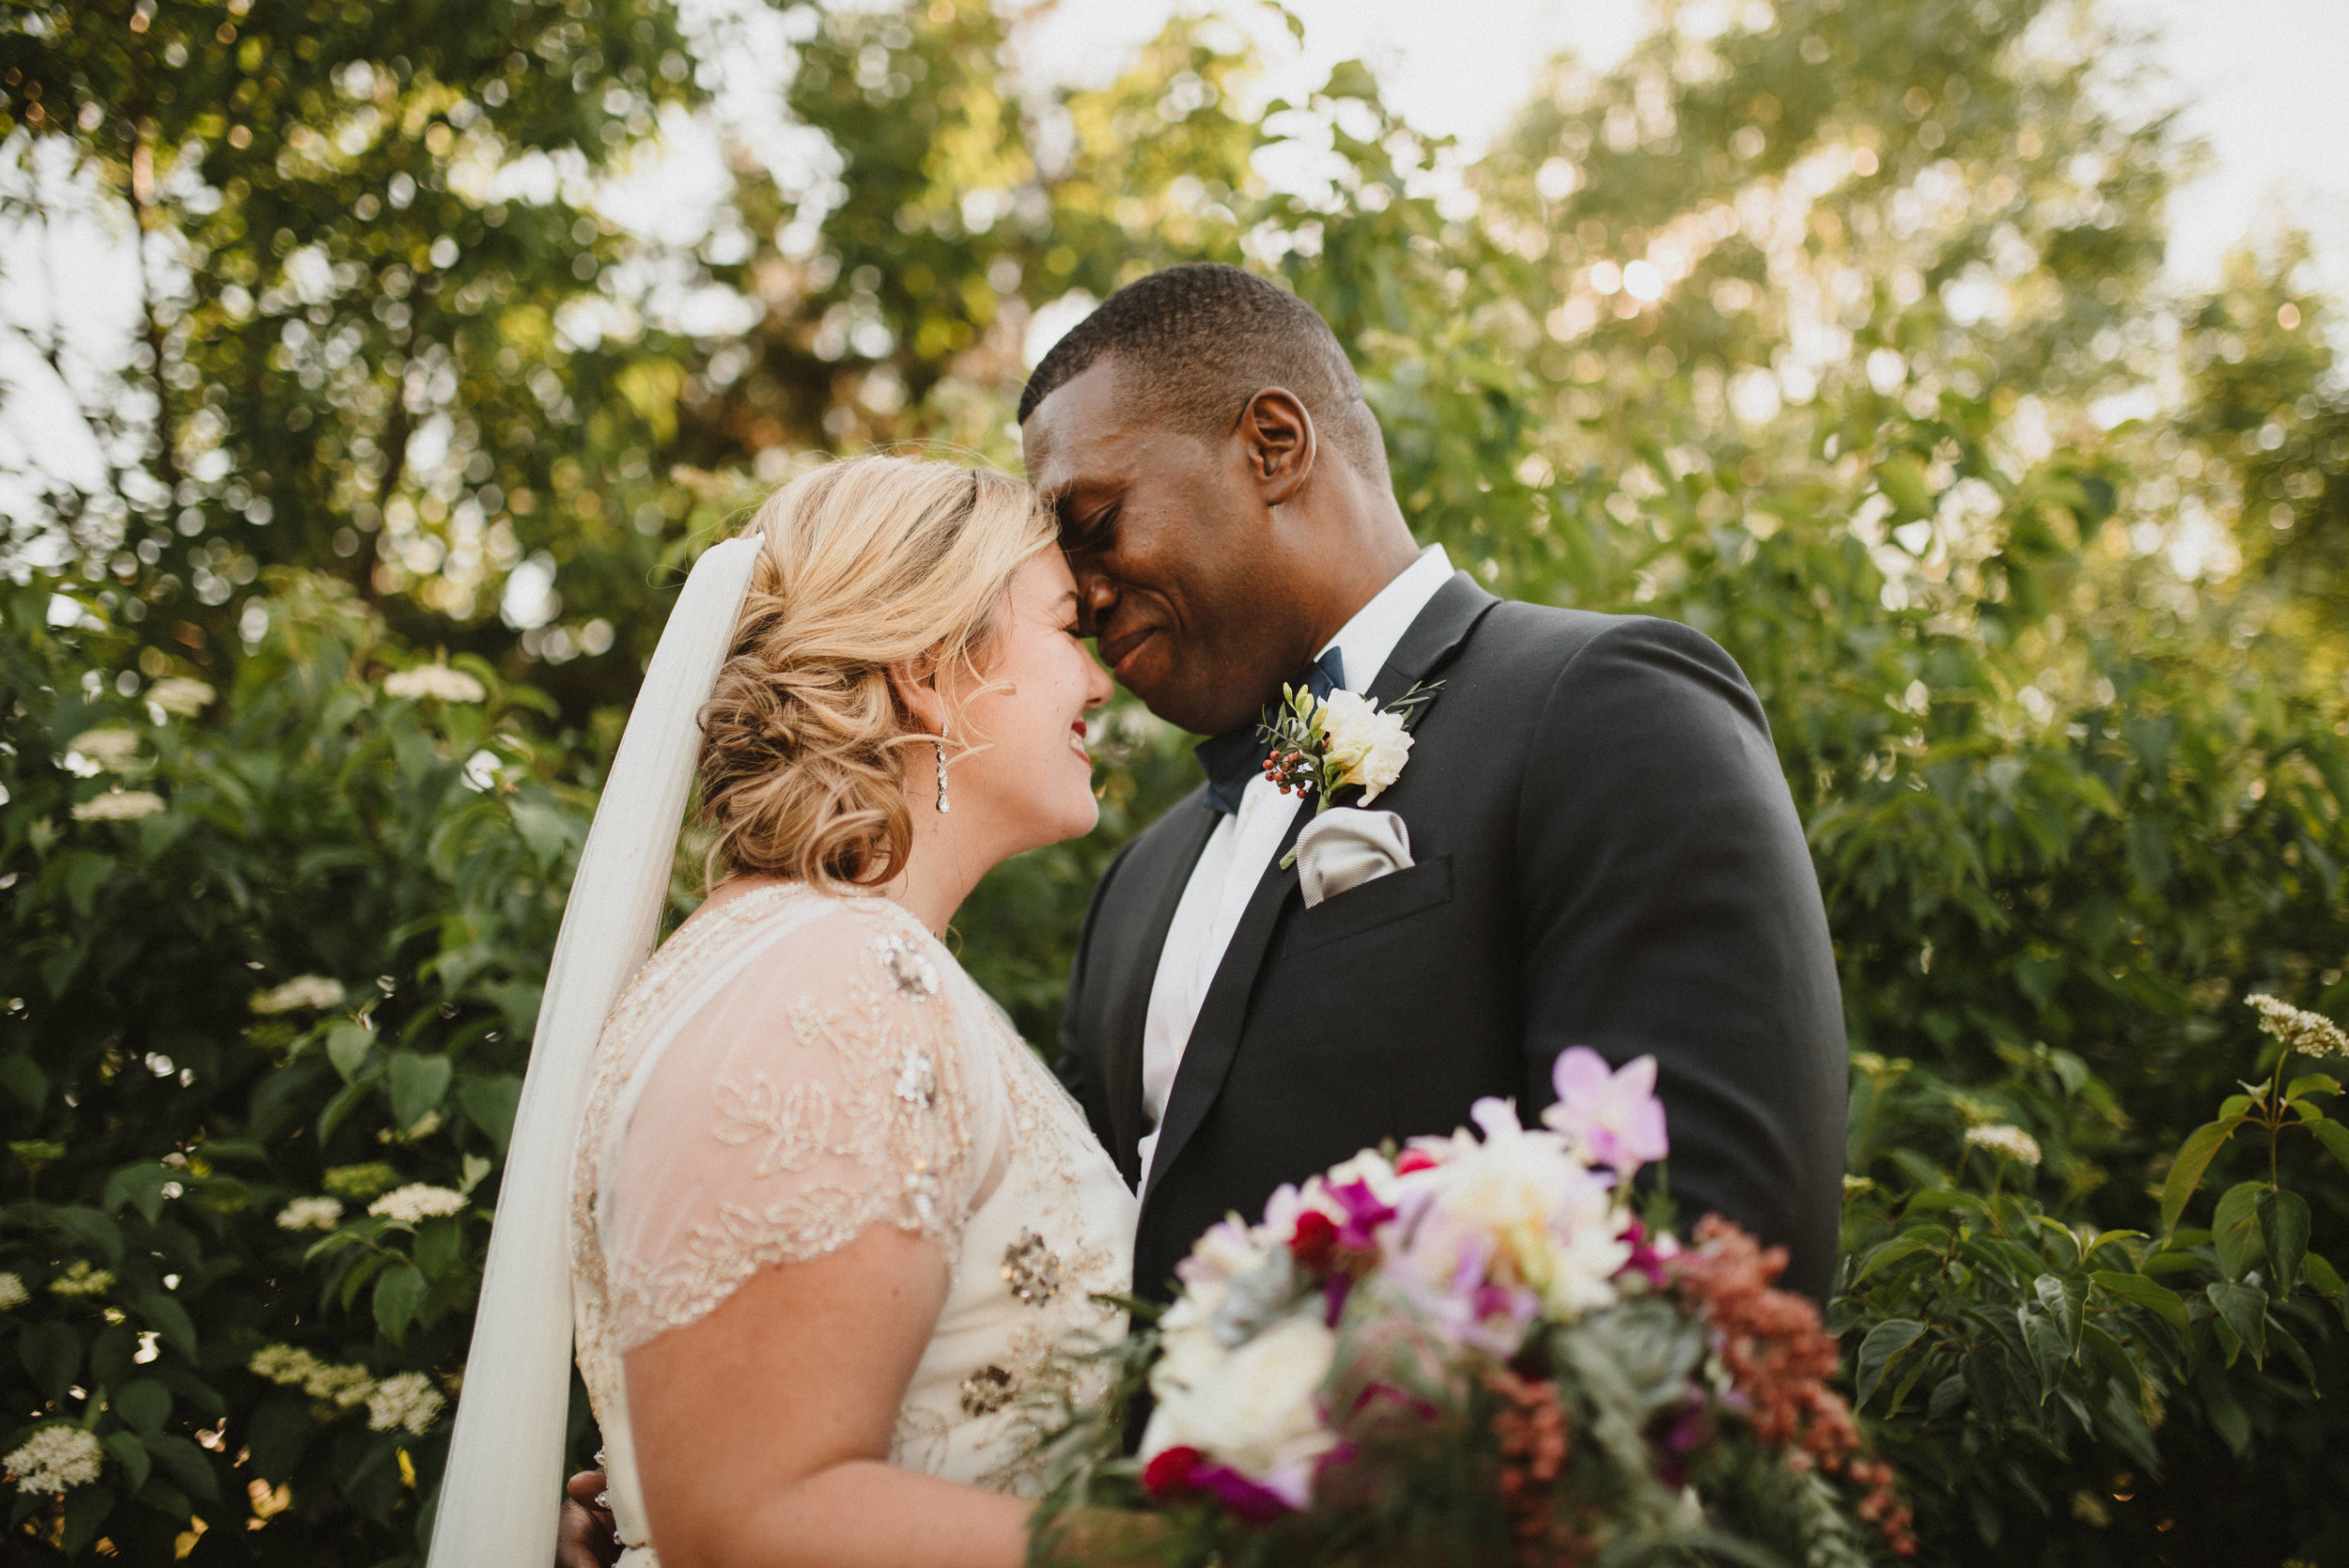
(804, 1085)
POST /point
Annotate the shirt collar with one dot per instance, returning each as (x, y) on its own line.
(1368, 640)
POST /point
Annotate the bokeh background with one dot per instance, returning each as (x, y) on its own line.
(1968, 369)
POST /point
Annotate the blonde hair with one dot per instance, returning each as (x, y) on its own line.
(865, 563)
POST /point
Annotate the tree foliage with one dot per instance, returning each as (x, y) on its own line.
(1826, 328)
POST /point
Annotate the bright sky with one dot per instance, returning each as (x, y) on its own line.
(2263, 81)
(2267, 82)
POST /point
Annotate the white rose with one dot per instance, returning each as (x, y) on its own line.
(1366, 747)
(1539, 1208)
(1255, 1408)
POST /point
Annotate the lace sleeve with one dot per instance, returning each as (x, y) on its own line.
(815, 1087)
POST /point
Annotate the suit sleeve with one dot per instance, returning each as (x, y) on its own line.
(1079, 1068)
(1672, 910)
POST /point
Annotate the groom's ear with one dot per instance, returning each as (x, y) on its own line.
(1276, 435)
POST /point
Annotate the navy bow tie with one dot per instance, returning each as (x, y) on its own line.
(1236, 757)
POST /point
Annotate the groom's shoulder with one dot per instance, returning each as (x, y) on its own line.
(1541, 643)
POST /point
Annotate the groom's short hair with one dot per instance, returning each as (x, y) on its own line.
(1193, 343)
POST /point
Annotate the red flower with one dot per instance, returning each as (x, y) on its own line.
(1414, 1159)
(1169, 1474)
(1314, 1240)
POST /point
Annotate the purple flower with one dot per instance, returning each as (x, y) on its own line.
(1612, 1114)
(1364, 1214)
(1258, 1505)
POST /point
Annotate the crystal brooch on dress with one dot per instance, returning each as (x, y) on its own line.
(915, 976)
(987, 1390)
(1031, 1269)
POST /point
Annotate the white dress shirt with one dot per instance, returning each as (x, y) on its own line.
(1243, 845)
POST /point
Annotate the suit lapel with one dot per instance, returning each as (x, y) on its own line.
(1438, 631)
(1188, 826)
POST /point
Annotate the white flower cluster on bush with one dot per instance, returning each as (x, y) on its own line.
(405, 1400)
(12, 1292)
(2002, 1138)
(80, 1279)
(112, 748)
(123, 805)
(310, 1214)
(56, 1458)
(434, 680)
(291, 1367)
(2310, 1034)
(179, 695)
(301, 992)
(417, 1203)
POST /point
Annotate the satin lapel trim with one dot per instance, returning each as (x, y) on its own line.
(1215, 1035)
(1439, 629)
(1125, 1058)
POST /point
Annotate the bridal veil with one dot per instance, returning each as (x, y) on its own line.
(511, 1415)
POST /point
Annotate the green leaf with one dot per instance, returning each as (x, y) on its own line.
(2234, 1228)
(397, 1292)
(145, 1404)
(163, 1311)
(93, 1228)
(342, 1104)
(2186, 1171)
(1894, 1251)
(491, 1102)
(2138, 1291)
(417, 1084)
(439, 1243)
(2321, 1277)
(142, 1186)
(2312, 1083)
(85, 1512)
(1877, 1352)
(2335, 1137)
(1948, 1395)
(132, 1455)
(2043, 1336)
(347, 1048)
(2243, 1309)
(51, 1352)
(2283, 1219)
(22, 1077)
(2127, 1425)
(185, 1464)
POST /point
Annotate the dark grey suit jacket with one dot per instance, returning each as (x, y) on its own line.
(1606, 855)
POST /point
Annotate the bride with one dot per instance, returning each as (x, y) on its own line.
(830, 1223)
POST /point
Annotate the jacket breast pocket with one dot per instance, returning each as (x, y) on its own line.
(1380, 901)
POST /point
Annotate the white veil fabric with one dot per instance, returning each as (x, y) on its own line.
(500, 1497)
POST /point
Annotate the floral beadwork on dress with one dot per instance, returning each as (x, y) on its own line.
(908, 966)
(917, 1081)
(1031, 1269)
(987, 1390)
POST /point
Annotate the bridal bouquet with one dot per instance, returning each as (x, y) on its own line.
(1473, 1351)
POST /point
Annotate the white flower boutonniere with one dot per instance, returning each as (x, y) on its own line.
(1321, 745)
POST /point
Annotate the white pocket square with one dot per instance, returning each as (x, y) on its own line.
(1345, 846)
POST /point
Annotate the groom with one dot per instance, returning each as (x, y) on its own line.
(1603, 850)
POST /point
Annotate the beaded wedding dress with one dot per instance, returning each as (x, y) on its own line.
(790, 1069)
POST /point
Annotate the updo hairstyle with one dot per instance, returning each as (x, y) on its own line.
(865, 562)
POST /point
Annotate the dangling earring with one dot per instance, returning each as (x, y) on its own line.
(941, 747)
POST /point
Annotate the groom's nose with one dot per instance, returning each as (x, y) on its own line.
(1097, 596)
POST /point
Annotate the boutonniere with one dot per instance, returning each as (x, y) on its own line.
(1321, 745)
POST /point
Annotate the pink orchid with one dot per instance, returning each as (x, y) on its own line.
(1615, 1114)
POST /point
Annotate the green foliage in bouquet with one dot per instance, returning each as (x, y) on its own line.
(1469, 1351)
